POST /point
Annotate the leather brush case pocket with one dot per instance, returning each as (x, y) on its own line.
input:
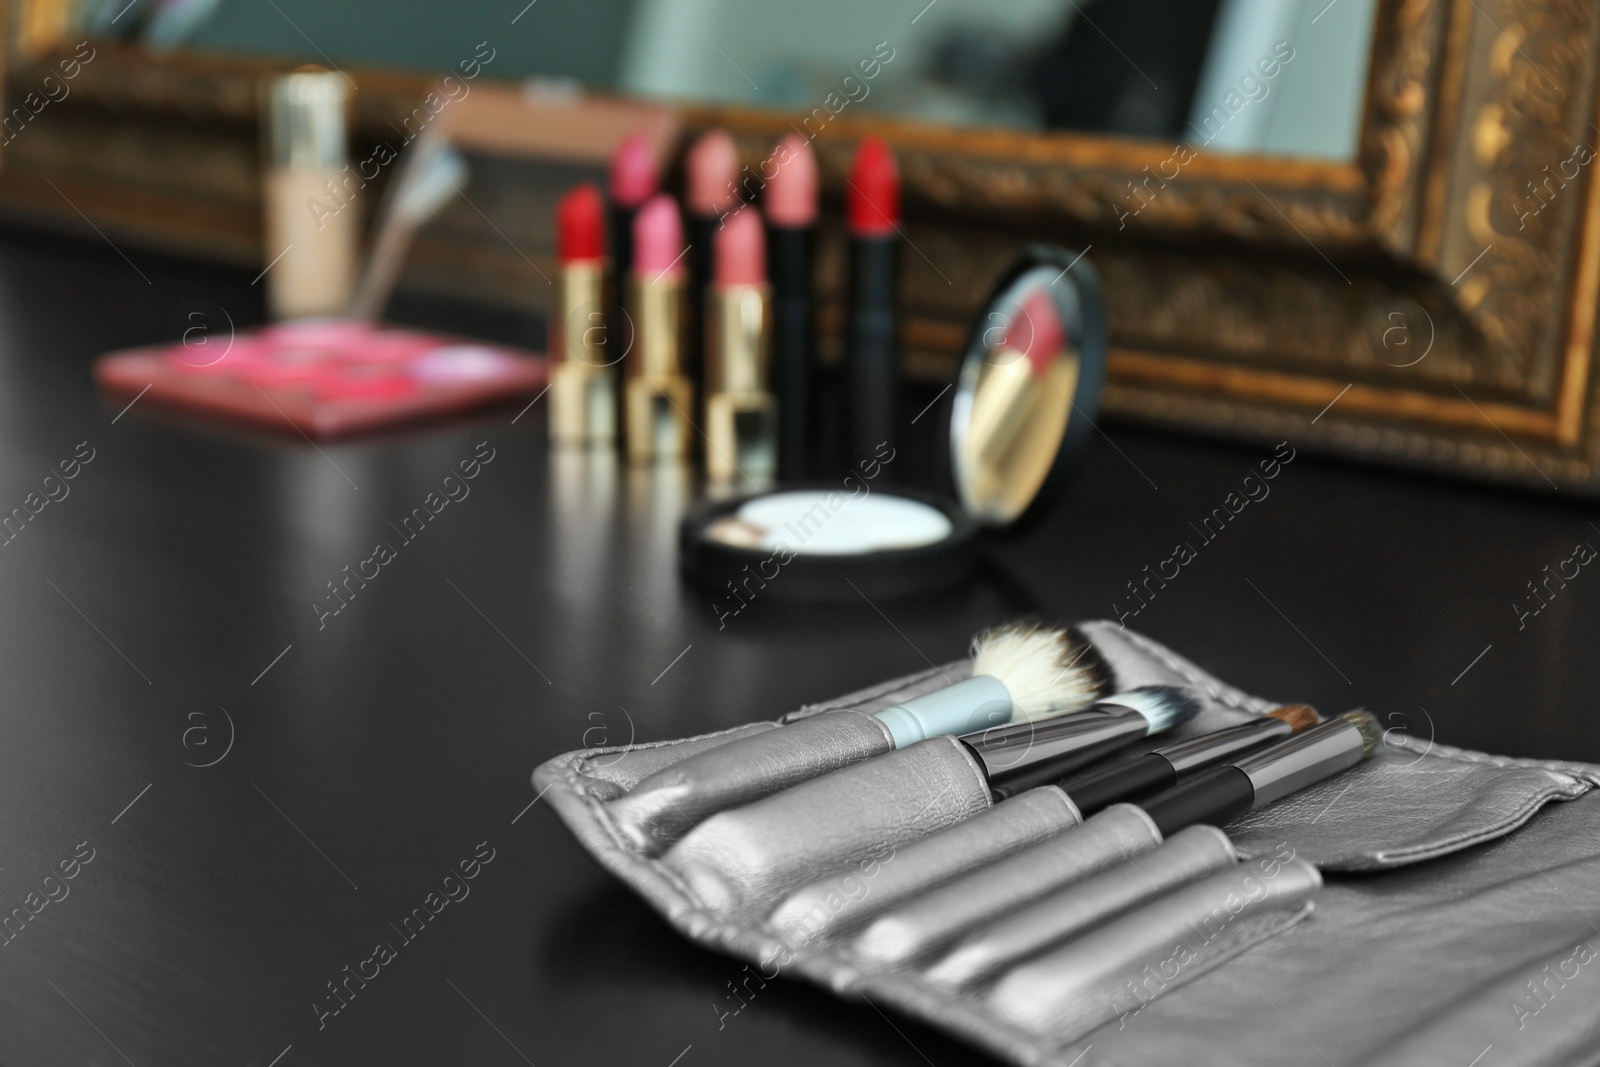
(987, 952)
(748, 857)
(921, 927)
(814, 912)
(663, 807)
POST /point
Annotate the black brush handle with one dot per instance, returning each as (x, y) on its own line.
(1105, 786)
(1216, 797)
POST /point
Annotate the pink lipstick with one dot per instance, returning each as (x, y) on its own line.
(658, 396)
(741, 414)
(711, 174)
(790, 206)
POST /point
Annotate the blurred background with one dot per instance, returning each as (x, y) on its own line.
(1137, 68)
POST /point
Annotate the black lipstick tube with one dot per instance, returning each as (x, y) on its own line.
(793, 344)
(702, 230)
(620, 326)
(871, 364)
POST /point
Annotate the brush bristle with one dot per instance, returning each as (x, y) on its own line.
(1163, 706)
(1371, 732)
(1046, 669)
(1298, 716)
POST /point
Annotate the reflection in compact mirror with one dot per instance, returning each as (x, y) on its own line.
(1014, 400)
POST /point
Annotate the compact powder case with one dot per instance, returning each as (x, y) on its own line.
(1025, 394)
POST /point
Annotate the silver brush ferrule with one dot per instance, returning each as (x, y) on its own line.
(1302, 760)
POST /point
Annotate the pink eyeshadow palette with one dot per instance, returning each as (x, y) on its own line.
(324, 377)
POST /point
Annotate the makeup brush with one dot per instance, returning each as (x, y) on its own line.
(1022, 755)
(1146, 775)
(433, 173)
(872, 215)
(1222, 794)
(790, 207)
(711, 176)
(1020, 671)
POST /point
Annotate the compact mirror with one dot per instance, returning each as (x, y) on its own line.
(1027, 387)
(1018, 419)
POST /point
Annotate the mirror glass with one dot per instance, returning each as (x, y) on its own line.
(1014, 399)
(1280, 77)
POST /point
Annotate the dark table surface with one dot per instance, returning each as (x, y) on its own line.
(159, 618)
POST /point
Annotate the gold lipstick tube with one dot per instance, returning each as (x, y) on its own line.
(658, 397)
(741, 412)
(583, 403)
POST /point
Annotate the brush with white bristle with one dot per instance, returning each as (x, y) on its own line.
(1020, 672)
(1045, 670)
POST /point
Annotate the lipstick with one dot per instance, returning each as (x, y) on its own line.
(741, 414)
(711, 174)
(634, 179)
(583, 408)
(872, 214)
(790, 205)
(658, 397)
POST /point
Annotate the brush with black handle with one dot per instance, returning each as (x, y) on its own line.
(1130, 780)
(1022, 755)
(1222, 794)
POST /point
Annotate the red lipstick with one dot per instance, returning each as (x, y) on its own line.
(583, 407)
(872, 210)
(872, 198)
(580, 230)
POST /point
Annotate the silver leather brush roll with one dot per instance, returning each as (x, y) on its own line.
(1018, 670)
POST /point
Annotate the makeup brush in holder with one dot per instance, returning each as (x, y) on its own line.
(1020, 672)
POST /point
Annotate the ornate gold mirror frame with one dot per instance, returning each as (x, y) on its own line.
(1430, 304)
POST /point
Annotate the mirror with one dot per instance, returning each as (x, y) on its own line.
(1015, 396)
(1276, 77)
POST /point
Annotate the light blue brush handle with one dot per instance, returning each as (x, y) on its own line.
(976, 703)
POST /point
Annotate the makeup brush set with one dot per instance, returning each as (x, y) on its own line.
(1034, 844)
